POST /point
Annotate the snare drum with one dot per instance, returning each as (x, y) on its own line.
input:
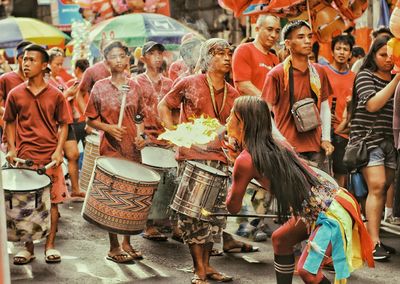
(27, 200)
(90, 154)
(119, 195)
(163, 162)
(199, 188)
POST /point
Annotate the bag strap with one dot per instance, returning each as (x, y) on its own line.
(291, 89)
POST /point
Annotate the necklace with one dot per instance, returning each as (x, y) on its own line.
(152, 83)
(211, 87)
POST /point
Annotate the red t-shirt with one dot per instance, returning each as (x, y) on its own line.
(152, 95)
(92, 75)
(8, 81)
(275, 94)
(38, 118)
(250, 64)
(176, 69)
(194, 94)
(105, 103)
(342, 85)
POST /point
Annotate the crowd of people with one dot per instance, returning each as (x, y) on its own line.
(257, 92)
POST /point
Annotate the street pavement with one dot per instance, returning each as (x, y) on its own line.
(84, 247)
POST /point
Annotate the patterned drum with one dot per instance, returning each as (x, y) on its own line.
(90, 154)
(162, 161)
(27, 199)
(324, 176)
(119, 195)
(198, 189)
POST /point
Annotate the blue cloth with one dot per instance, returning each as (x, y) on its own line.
(328, 232)
(384, 14)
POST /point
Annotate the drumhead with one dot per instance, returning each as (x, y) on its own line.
(93, 139)
(325, 176)
(158, 157)
(21, 180)
(127, 170)
(207, 168)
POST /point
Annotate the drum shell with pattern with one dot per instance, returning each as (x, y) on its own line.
(119, 196)
(27, 201)
(90, 154)
(163, 162)
(198, 189)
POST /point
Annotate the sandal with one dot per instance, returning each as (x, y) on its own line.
(197, 280)
(52, 256)
(243, 248)
(219, 277)
(23, 257)
(216, 252)
(136, 255)
(120, 256)
(156, 237)
(78, 197)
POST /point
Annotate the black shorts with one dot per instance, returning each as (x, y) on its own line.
(76, 131)
(340, 144)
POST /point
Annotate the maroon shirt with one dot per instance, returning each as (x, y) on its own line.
(37, 121)
(92, 75)
(105, 103)
(8, 81)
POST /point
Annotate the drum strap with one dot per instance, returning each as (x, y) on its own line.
(211, 87)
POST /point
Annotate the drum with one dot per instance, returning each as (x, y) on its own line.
(325, 176)
(199, 188)
(90, 154)
(119, 195)
(27, 199)
(163, 162)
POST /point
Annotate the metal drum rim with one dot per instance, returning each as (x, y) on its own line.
(200, 165)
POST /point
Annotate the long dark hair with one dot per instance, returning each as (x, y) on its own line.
(368, 64)
(290, 181)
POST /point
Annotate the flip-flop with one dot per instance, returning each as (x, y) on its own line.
(24, 254)
(156, 237)
(136, 255)
(113, 257)
(56, 256)
(244, 248)
(197, 280)
(80, 197)
(219, 277)
(216, 252)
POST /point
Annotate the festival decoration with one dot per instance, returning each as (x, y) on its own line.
(80, 34)
(394, 43)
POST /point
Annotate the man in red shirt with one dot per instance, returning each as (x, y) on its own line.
(253, 60)
(309, 80)
(341, 80)
(102, 113)
(209, 95)
(36, 119)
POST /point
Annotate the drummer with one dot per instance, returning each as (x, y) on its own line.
(36, 120)
(320, 211)
(154, 87)
(102, 112)
(205, 94)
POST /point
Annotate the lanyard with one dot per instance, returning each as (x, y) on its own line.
(210, 86)
(154, 88)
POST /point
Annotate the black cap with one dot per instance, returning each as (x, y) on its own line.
(150, 45)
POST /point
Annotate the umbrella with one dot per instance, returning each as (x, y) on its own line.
(15, 30)
(137, 28)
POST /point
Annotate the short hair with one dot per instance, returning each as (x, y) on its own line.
(21, 46)
(381, 30)
(115, 44)
(290, 27)
(358, 51)
(55, 52)
(82, 64)
(40, 49)
(263, 17)
(345, 39)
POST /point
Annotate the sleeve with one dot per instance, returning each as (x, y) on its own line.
(241, 68)
(86, 81)
(2, 88)
(365, 87)
(10, 111)
(93, 106)
(396, 117)
(175, 96)
(241, 177)
(326, 88)
(173, 71)
(270, 91)
(62, 115)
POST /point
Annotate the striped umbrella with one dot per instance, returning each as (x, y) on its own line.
(13, 30)
(137, 28)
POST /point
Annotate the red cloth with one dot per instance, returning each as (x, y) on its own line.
(152, 95)
(250, 64)
(105, 103)
(8, 81)
(176, 69)
(342, 86)
(37, 118)
(92, 75)
(194, 94)
(275, 94)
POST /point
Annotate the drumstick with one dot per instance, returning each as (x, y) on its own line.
(41, 171)
(27, 162)
(124, 89)
(206, 213)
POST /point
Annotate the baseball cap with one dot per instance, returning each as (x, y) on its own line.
(150, 45)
